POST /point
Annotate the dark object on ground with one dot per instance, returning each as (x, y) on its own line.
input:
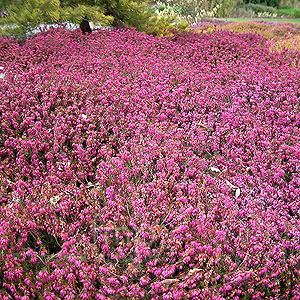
(85, 26)
(22, 42)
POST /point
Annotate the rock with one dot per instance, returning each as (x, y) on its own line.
(2, 75)
(85, 26)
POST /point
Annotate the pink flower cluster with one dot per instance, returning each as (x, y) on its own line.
(135, 167)
(281, 36)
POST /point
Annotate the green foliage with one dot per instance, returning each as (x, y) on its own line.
(25, 15)
(164, 26)
(255, 10)
(291, 3)
(289, 11)
(128, 13)
(195, 10)
(226, 7)
(29, 13)
(273, 3)
(259, 8)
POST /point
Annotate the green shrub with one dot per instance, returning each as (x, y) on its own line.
(273, 3)
(243, 12)
(195, 10)
(255, 10)
(297, 13)
(26, 15)
(259, 8)
(289, 11)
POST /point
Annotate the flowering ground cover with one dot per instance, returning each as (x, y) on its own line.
(281, 36)
(135, 167)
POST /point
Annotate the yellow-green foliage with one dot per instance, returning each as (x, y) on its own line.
(30, 13)
(25, 15)
(247, 27)
(165, 25)
(281, 35)
(225, 7)
(207, 28)
(291, 43)
(268, 30)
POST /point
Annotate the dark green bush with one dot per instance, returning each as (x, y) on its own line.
(289, 11)
(259, 8)
(297, 13)
(273, 3)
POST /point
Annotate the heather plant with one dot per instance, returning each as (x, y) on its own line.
(281, 36)
(268, 30)
(137, 167)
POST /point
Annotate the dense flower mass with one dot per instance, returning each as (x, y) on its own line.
(135, 167)
(281, 36)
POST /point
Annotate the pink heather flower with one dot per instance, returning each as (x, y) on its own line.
(170, 159)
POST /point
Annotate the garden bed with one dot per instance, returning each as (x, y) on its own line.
(135, 167)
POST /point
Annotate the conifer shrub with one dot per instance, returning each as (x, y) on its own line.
(24, 16)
